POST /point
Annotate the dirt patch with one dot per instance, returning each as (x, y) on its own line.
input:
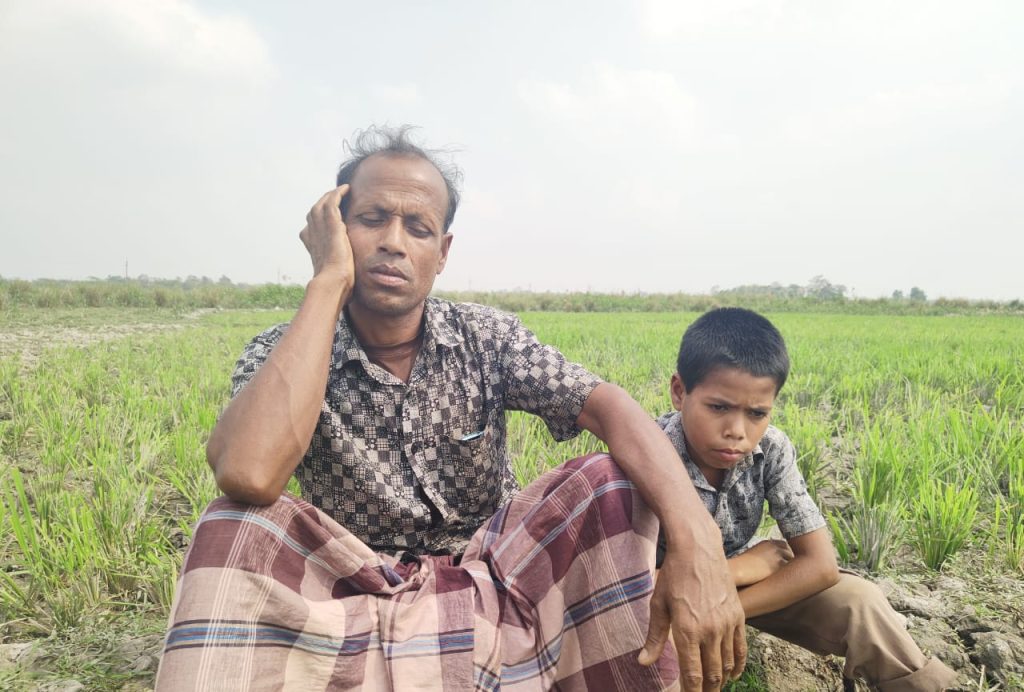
(28, 341)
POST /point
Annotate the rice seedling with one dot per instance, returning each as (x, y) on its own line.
(943, 517)
(869, 536)
(911, 424)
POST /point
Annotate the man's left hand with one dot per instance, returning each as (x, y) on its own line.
(695, 598)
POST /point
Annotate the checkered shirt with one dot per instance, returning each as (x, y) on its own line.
(768, 473)
(419, 466)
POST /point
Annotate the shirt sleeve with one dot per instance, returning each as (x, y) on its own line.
(253, 357)
(785, 490)
(538, 379)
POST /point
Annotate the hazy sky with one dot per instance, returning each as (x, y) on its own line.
(637, 146)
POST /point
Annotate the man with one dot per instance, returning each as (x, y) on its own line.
(400, 576)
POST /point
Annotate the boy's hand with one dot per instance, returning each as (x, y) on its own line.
(760, 562)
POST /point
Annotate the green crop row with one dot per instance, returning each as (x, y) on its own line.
(909, 431)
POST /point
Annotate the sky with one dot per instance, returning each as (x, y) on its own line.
(634, 146)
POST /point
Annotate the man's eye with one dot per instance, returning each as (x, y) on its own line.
(420, 231)
(719, 407)
(758, 415)
(371, 220)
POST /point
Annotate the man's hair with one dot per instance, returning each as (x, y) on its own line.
(395, 141)
(732, 338)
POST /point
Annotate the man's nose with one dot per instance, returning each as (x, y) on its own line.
(392, 236)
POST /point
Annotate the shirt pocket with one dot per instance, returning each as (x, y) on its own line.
(470, 468)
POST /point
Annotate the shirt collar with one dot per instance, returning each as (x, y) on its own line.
(437, 331)
(672, 424)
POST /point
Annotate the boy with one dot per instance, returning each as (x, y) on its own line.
(732, 364)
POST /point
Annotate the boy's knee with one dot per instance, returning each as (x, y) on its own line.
(862, 600)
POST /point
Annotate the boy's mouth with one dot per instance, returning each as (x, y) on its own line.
(729, 455)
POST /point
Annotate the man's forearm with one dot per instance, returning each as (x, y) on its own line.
(650, 461)
(694, 598)
(265, 430)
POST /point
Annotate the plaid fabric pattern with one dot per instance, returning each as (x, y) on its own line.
(553, 592)
(419, 466)
(768, 473)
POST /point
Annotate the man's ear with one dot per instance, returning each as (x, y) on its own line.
(446, 243)
(678, 391)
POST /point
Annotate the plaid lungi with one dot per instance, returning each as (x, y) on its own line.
(552, 592)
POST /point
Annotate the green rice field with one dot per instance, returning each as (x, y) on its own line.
(909, 430)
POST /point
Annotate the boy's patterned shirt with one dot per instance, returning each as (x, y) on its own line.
(418, 466)
(768, 473)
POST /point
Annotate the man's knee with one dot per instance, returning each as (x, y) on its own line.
(598, 468)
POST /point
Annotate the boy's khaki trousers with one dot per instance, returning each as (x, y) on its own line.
(853, 619)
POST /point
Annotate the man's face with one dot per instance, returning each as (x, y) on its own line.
(724, 417)
(395, 225)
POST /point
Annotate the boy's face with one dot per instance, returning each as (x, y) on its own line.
(724, 417)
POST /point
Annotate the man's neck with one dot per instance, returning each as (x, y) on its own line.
(379, 331)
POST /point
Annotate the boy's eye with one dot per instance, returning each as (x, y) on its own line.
(758, 415)
(719, 407)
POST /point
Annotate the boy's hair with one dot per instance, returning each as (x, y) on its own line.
(732, 338)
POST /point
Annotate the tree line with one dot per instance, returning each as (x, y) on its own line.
(818, 295)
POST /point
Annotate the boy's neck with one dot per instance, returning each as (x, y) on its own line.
(715, 477)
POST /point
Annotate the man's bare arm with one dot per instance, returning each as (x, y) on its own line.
(265, 430)
(694, 595)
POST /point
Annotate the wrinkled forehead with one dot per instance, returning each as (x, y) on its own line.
(408, 178)
(735, 384)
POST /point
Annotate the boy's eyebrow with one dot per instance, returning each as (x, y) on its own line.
(718, 400)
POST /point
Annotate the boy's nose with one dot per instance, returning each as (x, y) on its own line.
(734, 429)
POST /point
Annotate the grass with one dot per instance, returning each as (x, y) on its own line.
(909, 426)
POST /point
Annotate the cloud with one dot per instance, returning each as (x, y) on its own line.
(918, 111)
(670, 19)
(173, 35)
(396, 94)
(130, 128)
(612, 103)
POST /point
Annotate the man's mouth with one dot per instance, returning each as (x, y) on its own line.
(388, 274)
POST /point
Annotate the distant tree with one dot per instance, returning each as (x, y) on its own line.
(917, 295)
(821, 288)
(897, 294)
(224, 280)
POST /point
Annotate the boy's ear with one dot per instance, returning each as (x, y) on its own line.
(678, 391)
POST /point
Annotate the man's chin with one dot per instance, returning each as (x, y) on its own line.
(384, 304)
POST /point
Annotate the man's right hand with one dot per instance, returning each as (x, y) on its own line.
(326, 238)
